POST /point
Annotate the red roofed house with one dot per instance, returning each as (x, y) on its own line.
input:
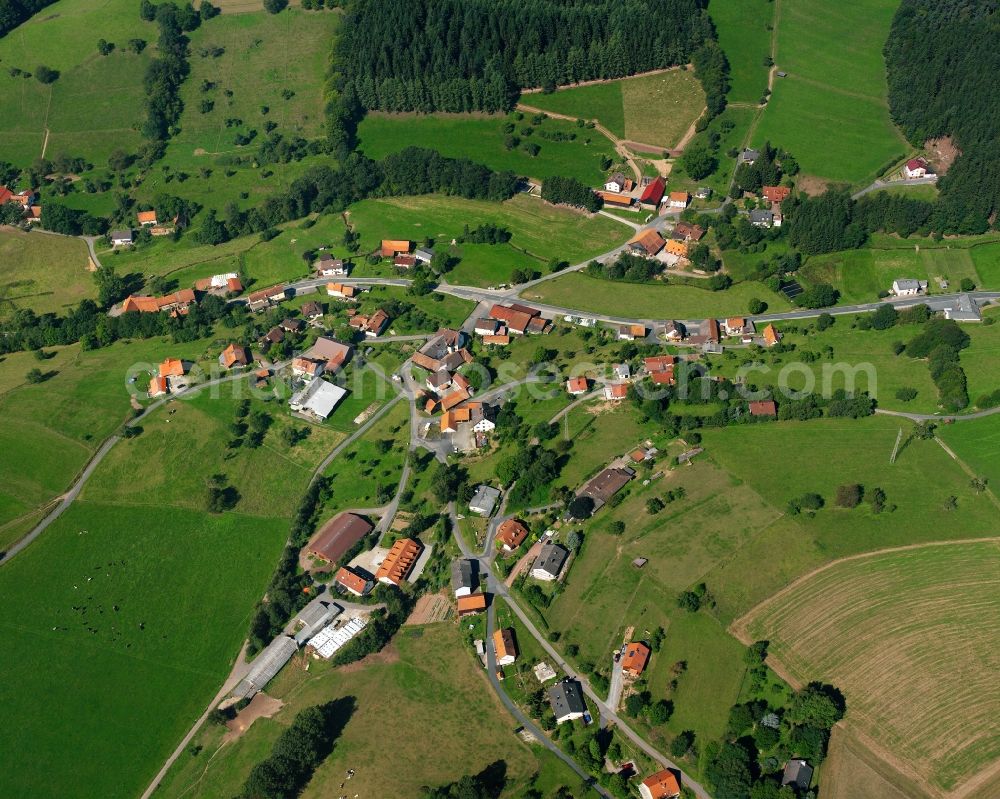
(771, 336)
(505, 646)
(146, 218)
(652, 195)
(636, 658)
(688, 231)
(511, 535)
(616, 391)
(734, 326)
(661, 369)
(661, 785)
(763, 408)
(393, 247)
(234, 355)
(776, 194)
(517, 321)
(172, 367)
(353, 581)
(576, 386)
(679, 199)
(473, 603)
(915, 168)
(677, 247)
(157, 386)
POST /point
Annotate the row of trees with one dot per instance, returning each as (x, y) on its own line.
(474, 55)
(570, 191)
(322, 188)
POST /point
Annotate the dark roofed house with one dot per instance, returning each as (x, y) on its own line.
(566, 699)
(463, 576)
(312, 310)
(761, 218)
(292, 325)
(338, 535)
(798, 773)
(605, 485)
(549, 562)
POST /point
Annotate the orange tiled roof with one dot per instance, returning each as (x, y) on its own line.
(512, 533)
(172, 367)
(473, 603)
(662, 785)
(400, 560)
(636, 657)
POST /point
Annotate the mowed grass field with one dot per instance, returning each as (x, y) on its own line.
(183, 583)
(42, 272)
(779, 461)
(650, 300)
(742, 27)
(831, 111)
(426, 678)
(481, 139)
(889, 627)
(650, 109)
(977, 443)
(94, 106)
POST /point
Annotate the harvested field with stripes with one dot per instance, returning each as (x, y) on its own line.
(912, 638)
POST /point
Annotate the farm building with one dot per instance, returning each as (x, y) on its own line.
(764, 408)
(392, 247)
(473, 603)
(354, 581)
(318, 399)
(647, 243)
(464, 574)
(265, 666)
(606, 484)
(652, 195)
(616, 199)
(337, 536)
(330, 639)
(399, 562)
(313, 618)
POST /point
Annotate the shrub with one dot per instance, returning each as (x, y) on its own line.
(849, 495)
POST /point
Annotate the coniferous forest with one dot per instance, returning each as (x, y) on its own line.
(474, 55)
(942, 61)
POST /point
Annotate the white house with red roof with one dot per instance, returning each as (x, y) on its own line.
(916, 168)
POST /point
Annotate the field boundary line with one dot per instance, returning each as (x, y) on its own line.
(738, 628)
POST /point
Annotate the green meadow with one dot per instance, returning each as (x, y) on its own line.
(42, 272)
(831, 111)
(481, 139)
(650, 300)
(977, 443)
(742, 27)
(94, 106)
(860, 275)
(162, 597)
(650, 109)
(85, 399)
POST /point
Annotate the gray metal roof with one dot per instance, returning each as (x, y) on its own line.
(267, 664)
(485, 499)
(761, 216)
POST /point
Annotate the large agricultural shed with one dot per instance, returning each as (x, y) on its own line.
(268, 663)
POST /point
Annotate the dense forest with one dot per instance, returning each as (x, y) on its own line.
(14, 12)
(942, 61)
(474, 55)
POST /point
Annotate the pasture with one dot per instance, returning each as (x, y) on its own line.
(140, 614)
(742, 27)
(426, 677)
(860, 275)
(539, 231)
(891, 626)
(861, 360)
(480, 138)
(650, 300)
(831, 111)
(977, 443)
(265, 55)
(95, 105)
(85, 400)
(604, 593)
(731, 126)
(650, 109)
(42, 272)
